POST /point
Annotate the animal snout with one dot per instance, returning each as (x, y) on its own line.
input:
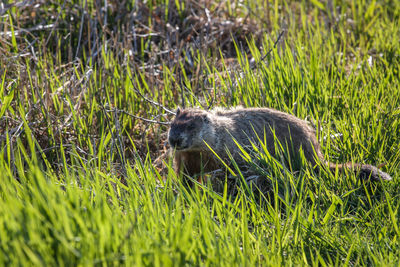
(175, 141)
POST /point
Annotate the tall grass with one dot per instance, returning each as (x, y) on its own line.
(84, 97)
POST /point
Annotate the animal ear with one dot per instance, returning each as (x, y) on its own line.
(205, 118)
(178, 111)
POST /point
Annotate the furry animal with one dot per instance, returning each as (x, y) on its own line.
(193, 132)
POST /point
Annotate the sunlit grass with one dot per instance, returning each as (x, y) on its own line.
(80, 183)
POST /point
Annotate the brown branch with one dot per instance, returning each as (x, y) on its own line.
(149, 100)
(138, 117)
(269, 52)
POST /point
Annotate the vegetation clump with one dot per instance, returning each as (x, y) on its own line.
(88, 89)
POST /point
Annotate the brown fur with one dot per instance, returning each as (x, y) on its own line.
(192, 129)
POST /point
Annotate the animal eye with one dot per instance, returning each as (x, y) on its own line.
(191, 126)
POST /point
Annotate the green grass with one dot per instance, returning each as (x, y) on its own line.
(84, 180)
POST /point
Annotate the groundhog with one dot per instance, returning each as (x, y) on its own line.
(195, 132)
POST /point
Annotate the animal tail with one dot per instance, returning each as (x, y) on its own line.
(363, 171)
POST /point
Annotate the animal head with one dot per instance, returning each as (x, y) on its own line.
(189, 130)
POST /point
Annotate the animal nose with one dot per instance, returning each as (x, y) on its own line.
(175, 142)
